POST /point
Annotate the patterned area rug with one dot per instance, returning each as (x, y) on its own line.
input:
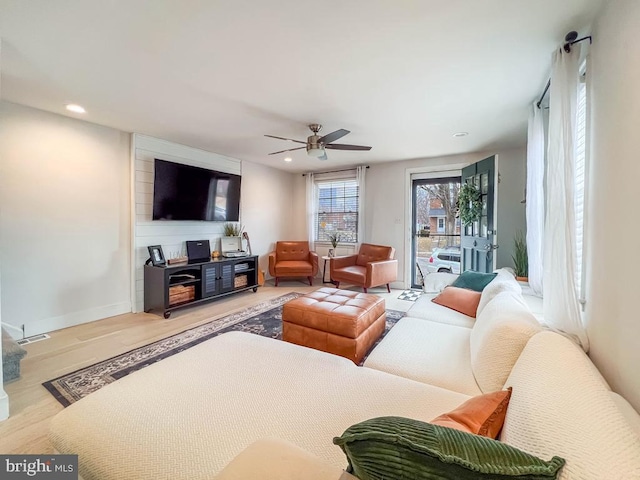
(410, 295)
(262, 319)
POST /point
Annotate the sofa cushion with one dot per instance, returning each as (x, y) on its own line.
(425, 309)
(275, 459)
(560, 405)
(504, 281)
(459, 299)
(436, 282)
(354, 274)
(481, 415)
(285, 267)
(500, 333)
(473, 280)
(402, 448)
(428, 352)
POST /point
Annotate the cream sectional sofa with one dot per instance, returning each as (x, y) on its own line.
(189, 415)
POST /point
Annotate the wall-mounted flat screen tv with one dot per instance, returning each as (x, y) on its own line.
(184, 192)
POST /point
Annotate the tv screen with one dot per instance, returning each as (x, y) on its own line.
(183, 192)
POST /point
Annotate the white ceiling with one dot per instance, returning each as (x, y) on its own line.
(402, 75)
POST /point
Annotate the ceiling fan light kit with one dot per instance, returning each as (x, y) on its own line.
(316, 145)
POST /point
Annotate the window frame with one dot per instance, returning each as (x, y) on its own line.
(354, 200)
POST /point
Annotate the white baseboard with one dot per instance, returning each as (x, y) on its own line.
(76, 318)
(4, 404)
(15, 332)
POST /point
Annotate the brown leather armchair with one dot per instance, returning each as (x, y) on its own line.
(293, 259)
(373, 265)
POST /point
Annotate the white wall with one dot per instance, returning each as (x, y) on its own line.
(64, 188)
(267, 208)
(511, 213)
(612, 267)
(170, 235)
(4, 399)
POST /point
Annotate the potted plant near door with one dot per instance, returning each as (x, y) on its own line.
(520, 259)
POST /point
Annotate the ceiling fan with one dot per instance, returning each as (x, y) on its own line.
(316, 144)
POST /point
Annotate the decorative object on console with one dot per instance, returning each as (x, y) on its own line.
(469, 203)
(182, 259)
(232, 229)
(381, 447)
(156, 255)
(198, 250)
(245, 235)
(520, 258)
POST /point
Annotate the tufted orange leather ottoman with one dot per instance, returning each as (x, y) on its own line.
(336, 321)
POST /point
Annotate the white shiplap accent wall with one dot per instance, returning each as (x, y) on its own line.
(172, 235)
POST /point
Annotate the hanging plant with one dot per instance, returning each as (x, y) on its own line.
(469, 203)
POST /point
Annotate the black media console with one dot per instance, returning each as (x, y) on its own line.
(168, 288)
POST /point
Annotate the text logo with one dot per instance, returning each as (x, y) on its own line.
(50, 467)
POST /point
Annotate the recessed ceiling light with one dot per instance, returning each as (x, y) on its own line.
(72, 107)
(288, 159)
(461, 134)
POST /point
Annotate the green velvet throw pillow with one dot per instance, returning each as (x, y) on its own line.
(473, 280)
(396, 448)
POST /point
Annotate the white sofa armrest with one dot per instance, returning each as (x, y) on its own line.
(275, 459)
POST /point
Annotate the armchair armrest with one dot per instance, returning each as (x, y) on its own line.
(381, 272)
(272, 264)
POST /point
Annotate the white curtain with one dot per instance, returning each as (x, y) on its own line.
(360, 176)
(312, 206)
(535, 197)
(561, 307)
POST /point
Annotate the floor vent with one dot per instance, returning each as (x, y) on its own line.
(35, 338)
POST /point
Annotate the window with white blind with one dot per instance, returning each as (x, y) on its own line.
(337, 211)
(580, 179)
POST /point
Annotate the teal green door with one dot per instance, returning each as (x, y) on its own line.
(477, 240)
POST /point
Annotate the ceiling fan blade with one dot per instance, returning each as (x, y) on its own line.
(344, 146)
(333, 136)
(283, 138)
(288, 150)
(323, 157)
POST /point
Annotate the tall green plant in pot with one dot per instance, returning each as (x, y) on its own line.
(520, 259)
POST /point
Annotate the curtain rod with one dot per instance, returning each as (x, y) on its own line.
(335, 171)
(570, 39)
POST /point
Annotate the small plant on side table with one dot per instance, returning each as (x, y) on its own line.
(334, 238)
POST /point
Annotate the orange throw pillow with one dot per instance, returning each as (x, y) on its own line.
(461, 300)
(482, 415)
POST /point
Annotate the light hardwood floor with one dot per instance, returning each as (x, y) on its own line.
(32, 407)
